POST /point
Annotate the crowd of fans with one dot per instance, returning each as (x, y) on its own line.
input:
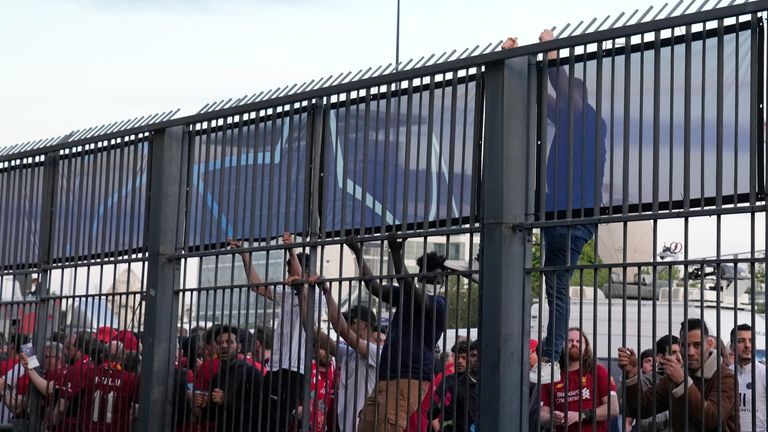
(369, 378)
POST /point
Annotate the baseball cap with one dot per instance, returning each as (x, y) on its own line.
(472, 265)
(534, 344)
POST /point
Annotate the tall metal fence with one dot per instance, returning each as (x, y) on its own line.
(162, 270)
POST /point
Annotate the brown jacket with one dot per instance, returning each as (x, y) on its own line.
(716, 402)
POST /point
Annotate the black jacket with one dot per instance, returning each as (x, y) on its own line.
(241, 383)
(458, 395)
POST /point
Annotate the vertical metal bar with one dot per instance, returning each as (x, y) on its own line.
(656, 124)
(687, 112)
(156, 397)
(503, 397)
(48, 205)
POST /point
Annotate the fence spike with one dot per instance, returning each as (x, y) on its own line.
(631, 16)
(591, 23)
(497, 45)
(561, 32)
(355, 76)
(690, 4)
(365, 73)
(490, 47)
(675, 8)
(326, 81)
(702, 6)
(417, 63)
(605, 20)
(440, 58)
(616, 21)
(645, 14)
(664, 6)
(337, 78)
(575, 28)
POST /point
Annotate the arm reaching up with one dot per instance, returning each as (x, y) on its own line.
(569, 90)
(398, 262)
(381, 292)
(301, 290)
(294, 267)
(256, 282)
(339, 323)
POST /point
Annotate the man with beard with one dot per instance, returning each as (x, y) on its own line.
(235, 398)
(457, 392)
(752, 392)
(702, 400)
(585, 398)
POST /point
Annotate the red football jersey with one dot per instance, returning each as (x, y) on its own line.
(110, 406)
(75, 385)
(205, 373)
(583, 394)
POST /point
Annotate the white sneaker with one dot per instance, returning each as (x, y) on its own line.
(548, 371)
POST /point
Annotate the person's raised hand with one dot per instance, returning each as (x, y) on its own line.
(217, 396)
(291, 280)
(546, 35)
(234, 243)
(511, 42)
(393, 243)
(628, 361)
(673, 369)
(201, 399)
(287, 238)
(24, 361)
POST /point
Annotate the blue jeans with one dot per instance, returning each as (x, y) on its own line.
(557, 251)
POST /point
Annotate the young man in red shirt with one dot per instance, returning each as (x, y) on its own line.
(585, 398)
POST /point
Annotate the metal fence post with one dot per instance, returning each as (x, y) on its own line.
(505, 288)
(159, 335)
(50, 173)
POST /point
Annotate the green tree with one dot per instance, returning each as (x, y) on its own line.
(584, 277)
(463, 303)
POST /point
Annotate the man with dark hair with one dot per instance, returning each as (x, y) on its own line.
(460, 351)
(646, 362)
(457, 392)
(407, 358)
(665, 345)
(752, 384)
(234, 401)
(262, 350)
(585, 398)
(707, 395)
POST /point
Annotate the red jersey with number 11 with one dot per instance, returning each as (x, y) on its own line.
(111, 404)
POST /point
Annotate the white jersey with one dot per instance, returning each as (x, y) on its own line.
(357, 380)
(746, 385)
(290, 338)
